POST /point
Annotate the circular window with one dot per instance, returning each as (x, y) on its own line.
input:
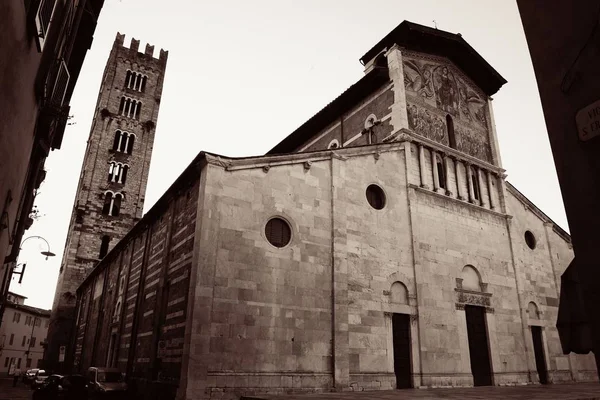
(278, 232)
(375, 197)
(530, 240)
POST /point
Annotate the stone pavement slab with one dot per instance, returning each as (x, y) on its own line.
(8, 392)
(579, 391)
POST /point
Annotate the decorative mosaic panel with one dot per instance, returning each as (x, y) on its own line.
(434, 89)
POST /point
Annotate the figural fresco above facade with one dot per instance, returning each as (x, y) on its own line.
(435, 89)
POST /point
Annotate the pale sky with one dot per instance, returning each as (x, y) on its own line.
(242, 75)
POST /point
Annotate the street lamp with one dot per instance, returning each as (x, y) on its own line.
(46, 253)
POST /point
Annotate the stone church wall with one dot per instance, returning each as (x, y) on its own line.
(262, 315)
(142, 289)
(377, 104)
(539, 272)
(449, 235)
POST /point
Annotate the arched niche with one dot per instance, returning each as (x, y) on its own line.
(533, 310)
(399, 293)
(471, 279)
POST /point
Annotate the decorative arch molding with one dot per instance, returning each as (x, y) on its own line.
(472, 290)
(534, 311)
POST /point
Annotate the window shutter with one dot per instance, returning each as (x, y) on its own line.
(60, 85)
(43, 18)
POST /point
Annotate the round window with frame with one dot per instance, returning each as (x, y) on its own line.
(278, 232)
(375, 197)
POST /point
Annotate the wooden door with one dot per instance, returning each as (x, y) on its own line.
(401, 334)
(538, 349)
(478, 346)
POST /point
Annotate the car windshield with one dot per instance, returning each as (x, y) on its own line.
(106, 376)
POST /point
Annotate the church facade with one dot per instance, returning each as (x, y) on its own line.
(378, 246)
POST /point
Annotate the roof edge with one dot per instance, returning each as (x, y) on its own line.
(536, 210)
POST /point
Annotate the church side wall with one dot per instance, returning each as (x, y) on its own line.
(132, 314)
(540, 269)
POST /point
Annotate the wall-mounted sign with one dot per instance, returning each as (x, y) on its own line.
(61, 353)
(588, 121)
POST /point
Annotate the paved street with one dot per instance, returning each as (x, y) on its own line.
(8, 392)
(579, 391)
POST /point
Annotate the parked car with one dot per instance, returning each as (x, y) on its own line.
(70, 387)
(106, 382)
(39, 378)
(29, 375)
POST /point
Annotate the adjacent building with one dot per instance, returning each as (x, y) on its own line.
(22, 335)
(112, 185)
(378, 246)
(44, 43)
(563, 42)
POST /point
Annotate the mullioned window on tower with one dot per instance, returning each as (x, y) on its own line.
(130, 108)
(123, 141)
(135, 81)
(112, 203)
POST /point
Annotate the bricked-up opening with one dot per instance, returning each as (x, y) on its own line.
(104, 246)
(375, 197)
(441, 172)
(530, 240)
(450, 127)
(278, 232)
(476, 188)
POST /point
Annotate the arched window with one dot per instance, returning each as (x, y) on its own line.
(112, 173)
(108, 197)
(104, 246)
(117, 141)
(470, 278)
(399, 293)
(123, 176)
(143, 89)
(112, 203)
(451, 136)
(475, 180)
(130, 141)
(116, 208)
(138, 109)
(441, 172)
(122, 106)
(128, 78)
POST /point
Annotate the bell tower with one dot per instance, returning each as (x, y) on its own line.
(112, 184)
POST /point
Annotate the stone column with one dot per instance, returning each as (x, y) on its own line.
(490, 190)
(447, 161)
(422, 166)
(470, 183)
(480, 185)
(436, 176)
(399, 117)
(458, 180)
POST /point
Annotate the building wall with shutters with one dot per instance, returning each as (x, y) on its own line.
(88, 222)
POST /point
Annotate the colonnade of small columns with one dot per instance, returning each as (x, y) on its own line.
(478, 180)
